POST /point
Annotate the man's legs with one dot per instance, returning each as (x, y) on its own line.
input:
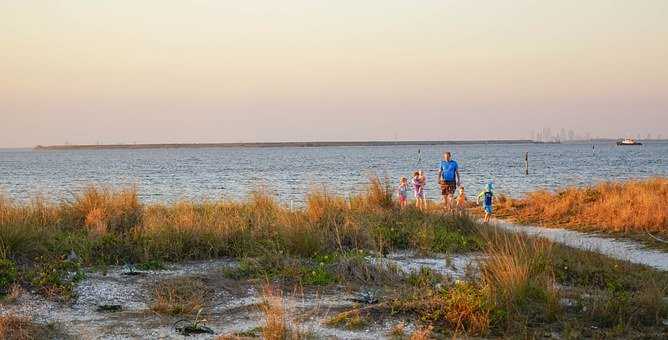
(450, 200)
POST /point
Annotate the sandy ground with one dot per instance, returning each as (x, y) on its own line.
(233, 307)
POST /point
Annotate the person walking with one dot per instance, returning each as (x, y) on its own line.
(448, 179)
(487, 196)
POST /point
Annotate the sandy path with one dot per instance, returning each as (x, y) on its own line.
(626, 250)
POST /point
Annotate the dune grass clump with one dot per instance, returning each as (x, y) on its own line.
(277, 324)
(424, 333)
(13, 327)
(514, 289)
(182, 295)
(104, 210)
(624, 207)
(518, 272)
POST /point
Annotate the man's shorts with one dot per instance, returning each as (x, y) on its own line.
(448, 187)
(488, 209)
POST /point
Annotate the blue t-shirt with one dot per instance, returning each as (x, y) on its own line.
(449, 168)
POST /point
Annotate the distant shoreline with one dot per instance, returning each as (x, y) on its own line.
(274, 144)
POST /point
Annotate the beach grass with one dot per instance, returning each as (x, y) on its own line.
(13, 327)
(42, 241)
(526, 287)
(631, 207)
(180, 295)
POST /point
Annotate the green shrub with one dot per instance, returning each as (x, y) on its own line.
(56, 278)
(8, 274)
(318, 276)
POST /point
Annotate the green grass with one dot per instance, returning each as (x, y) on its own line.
(8, 275)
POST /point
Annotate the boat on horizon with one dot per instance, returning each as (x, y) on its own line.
(628, 141)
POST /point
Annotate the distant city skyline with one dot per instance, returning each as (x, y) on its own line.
(141, 71)
(554, 135)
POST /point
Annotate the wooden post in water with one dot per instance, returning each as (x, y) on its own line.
(526, 163)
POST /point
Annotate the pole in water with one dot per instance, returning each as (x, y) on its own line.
(526, 163)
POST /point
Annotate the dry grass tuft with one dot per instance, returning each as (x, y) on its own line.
(519, 274)
(633, 206)
(183, 295)
(398, 330)
(103, 209)
(512, 260)
(277, 326)
(13, 327)
(422, 333)
(357, 269)
(13, 294)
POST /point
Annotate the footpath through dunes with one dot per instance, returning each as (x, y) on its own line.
(621, 249)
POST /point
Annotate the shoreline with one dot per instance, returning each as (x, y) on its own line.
(276, 144)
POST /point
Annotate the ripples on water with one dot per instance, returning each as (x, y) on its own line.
(173, 174)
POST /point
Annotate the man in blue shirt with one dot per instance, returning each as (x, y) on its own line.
(448, 179)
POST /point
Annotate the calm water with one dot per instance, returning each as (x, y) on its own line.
(172, 174)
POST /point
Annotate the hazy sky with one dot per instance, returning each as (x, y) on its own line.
(83, 71)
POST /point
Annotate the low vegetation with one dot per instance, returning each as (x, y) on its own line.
(526, 287)
(529, 287)
(630, 207)
(13, 327)
(181, 295)
(44, 244)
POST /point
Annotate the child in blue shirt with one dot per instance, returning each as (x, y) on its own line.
(488, 196)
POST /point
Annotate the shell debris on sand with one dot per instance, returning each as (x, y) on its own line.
(234, 305)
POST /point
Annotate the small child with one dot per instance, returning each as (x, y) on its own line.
(423, 179)
(418, 189)
(403, 192)
(461, 199)
(488, 197)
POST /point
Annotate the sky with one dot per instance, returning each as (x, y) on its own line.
(139, 71)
